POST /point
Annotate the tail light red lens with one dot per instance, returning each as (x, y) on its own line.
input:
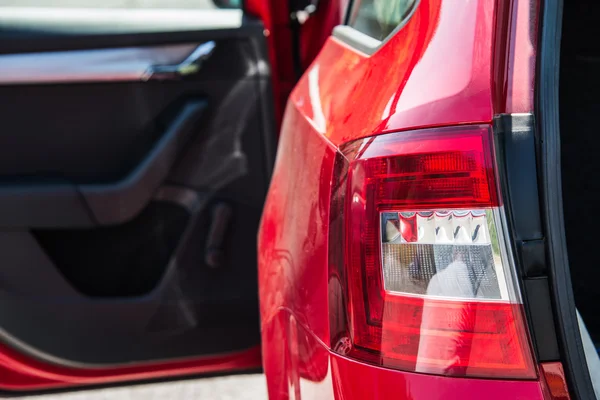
(420, 277)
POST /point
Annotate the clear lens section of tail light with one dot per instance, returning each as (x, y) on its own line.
(446, 253)
(421, 278)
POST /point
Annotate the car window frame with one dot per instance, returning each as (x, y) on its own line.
(361, 41)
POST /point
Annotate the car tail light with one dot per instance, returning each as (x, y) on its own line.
(420, 276)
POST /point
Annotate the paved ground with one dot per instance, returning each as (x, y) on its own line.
(239, 387)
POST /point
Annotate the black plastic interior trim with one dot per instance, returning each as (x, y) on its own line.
(43, 205)
(118, 202)
(59, 204)
(547, 111)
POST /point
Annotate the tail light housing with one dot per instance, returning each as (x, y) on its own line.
(421, 278)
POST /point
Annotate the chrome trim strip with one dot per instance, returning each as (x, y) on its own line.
(356, 39)
(105, 65)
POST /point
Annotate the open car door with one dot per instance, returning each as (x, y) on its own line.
(136, 148)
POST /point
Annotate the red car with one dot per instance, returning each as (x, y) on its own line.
(413, 242)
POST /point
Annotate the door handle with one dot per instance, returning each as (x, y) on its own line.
(191, 65)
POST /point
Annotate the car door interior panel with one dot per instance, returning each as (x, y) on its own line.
(135, 155)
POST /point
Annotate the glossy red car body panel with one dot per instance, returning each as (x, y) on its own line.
(307, 369)
(402, 86)
(446, 66)
(19, 372)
